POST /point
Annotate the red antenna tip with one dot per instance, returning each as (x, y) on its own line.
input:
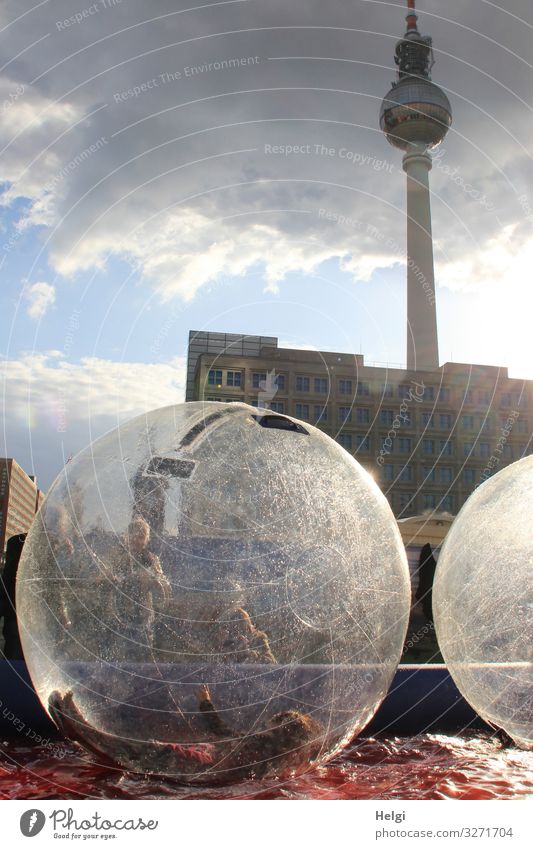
(411, 15)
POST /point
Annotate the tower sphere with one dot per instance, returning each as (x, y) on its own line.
(415, 112)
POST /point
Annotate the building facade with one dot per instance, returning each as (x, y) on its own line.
(20, 499)
(206, 342)
(428, 438)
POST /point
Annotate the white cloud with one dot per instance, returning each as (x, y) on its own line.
(182, 184)
(40, 296)
(55, 406)
(31, 125)
(97, 387)
(503, 257)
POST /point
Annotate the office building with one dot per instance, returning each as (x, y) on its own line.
(20, 498)
(427, 437)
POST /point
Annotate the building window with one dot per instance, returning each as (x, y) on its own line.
(484, 449)
(468, 449)
(507, 452)
(345, 387)
(277, 406)
(406, 500)
(387, 472)
(404, 391)
(468, 422)
(446, 474)
(446, 503)
(505, 400)
(468, 397)
(429, 474)
(428, 446)
(486, 426)
(404, 445)
(258, 378)
(406, 473)
(406, 418)
(233, 378)
(279, 381)
(386, 417)
(445, 421)
(427, 420)
(345, 414)
(387, 391)
(446, 447)
(429, 501)
(214, 378)
(320, 413)
(444, 395)
(429, 393)
(469, 476)
(362, 415)
(321, 385)
(302, 383)
(362, 442)
(302, 411)
(363, 388)
(345, 439)
(522, 426)
(483, 397)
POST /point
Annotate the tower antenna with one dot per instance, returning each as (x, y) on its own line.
(412, 17)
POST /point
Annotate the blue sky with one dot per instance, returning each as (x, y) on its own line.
(133, 211)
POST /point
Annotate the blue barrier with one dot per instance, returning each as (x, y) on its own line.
(420, 699)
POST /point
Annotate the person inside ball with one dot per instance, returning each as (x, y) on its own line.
(139, 586)
(288, 740)
(240, 641)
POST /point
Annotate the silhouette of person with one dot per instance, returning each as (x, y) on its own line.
(139, 584)
(240, 641)
(426, 574)
(12, 646)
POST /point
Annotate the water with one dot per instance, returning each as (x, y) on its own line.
(427, 766)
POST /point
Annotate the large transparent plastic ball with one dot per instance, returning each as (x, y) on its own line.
(482, 601)
(213, 592)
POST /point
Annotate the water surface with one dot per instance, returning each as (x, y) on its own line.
(427, 766)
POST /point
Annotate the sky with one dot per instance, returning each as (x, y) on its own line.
(186, 165)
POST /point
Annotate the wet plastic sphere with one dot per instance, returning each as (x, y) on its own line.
(213, 592)
(482, 600)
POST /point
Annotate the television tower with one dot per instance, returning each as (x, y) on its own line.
(415, 116)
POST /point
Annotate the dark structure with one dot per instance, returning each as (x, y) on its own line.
(12, 647)
(426, 573)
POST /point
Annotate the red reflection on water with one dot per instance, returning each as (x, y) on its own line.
(424, 767)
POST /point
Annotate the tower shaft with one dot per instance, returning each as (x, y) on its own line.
(422, 339)
(415, 116)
